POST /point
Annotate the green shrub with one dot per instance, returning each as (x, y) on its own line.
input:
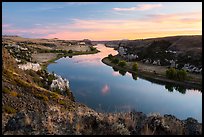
(135, 67)
(70, 51)
(6, 90)
(122, 63)
(92, 48)
(110, 56)
(62, 102)
(9, 109)
(181, 75)
(115, 61)
(171, 73)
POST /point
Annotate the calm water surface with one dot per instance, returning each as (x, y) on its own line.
(104, 89)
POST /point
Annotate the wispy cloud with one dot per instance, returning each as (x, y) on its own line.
(188, 17)
(81, 3)
(153, 25)
(6, 25)
(141, 7)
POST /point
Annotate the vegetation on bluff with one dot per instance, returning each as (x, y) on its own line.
(175, 74)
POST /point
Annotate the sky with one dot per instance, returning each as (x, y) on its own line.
(101, 20)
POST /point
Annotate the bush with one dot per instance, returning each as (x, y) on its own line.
(135, 67)
(180, 75)
(62, 102)
(171, 73)
(6, 90)
(9, 109)
(92, 48)
(122, 63)
(110, 56)
(70, 51)
(115, 61)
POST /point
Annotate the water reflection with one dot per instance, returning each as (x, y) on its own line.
(169, 86)
(105, 89)
(94, 59)
(114, 68)
(122, 72)
(115, 73)
(94, 83)
(134, 76)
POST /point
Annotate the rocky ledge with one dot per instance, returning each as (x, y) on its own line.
(85, 121)
(29, 65)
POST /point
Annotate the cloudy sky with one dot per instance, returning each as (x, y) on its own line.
(101, 20)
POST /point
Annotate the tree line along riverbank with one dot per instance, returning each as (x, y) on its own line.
(152, 72)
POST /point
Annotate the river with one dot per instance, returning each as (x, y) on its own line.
(106, 90)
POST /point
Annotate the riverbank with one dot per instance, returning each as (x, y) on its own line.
(154, 75)
(49, 58)
(28, 109)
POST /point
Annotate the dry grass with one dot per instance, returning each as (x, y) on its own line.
(43, 57)
(9, 109)
(147, 131)
(14, 94)
(41, 96)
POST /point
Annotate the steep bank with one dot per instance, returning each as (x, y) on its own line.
(30, 109)
(154, 76)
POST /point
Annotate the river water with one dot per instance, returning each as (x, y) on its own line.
(106, 90)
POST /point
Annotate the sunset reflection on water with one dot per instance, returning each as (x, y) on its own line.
(94, 59)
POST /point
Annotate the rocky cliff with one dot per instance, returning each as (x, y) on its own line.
(30, 109)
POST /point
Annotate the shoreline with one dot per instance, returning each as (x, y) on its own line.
(151, 76)
(59, 55)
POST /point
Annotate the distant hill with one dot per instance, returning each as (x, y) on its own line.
(188, 48)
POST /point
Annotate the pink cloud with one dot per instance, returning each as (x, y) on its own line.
(190, 17)
(6, 25)
(105, 89)
(140, 7)
(151, 26)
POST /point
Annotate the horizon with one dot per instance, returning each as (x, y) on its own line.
(101, 40)
(101, 21)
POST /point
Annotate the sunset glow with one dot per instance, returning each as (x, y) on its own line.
(102, 21)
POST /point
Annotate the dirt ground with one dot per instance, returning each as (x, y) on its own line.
(75, 48)
(161, 70)
(43, 57)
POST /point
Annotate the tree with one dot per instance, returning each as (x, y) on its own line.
(92, 48)
(70, 51)
(171, 73)
(115, 61)
(181, 75)
(110, 56)
(122, 63)
(134, 76)
(135, 67)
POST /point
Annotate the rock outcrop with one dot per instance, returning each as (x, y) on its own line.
(27, 66)
(60, 83)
